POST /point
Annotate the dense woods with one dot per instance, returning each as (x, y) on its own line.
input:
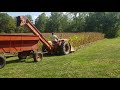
(103, 22)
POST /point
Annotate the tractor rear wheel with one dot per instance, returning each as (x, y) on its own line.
(2, 61)
(37, 56)
(65, 48)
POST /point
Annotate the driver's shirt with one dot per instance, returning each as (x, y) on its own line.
(54, 38)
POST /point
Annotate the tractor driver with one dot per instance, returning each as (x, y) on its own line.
(54, 38)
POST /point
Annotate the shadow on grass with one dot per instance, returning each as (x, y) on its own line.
(27, 61)
(48, 55)
(17, 61)
(13, 61)
(30, 62)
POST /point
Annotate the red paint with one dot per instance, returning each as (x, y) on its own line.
(18, 43)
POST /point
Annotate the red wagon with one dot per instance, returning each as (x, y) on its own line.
(24, 45)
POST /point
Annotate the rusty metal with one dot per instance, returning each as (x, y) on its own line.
(18, 43)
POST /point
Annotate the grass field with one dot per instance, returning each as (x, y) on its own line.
(98, 60)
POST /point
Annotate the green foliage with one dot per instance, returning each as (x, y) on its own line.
(41, 21)
(58, 22)
(7, 23)
(78, 22)
(22, 30)
(54, 23)
(105, 22)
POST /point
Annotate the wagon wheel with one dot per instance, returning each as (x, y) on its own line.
(37, 56)
(2, 61)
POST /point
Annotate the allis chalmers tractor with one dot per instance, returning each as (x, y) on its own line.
(25, 45)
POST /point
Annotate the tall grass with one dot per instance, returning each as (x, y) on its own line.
(80, 39)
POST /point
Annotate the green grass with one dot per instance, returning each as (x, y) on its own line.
(98, 60)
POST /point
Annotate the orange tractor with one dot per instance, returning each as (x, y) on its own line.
(63, 46)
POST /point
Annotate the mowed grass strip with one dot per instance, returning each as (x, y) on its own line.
(98, 60)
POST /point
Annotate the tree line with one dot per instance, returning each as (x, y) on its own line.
(104, 22)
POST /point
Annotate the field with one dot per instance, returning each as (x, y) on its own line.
(100, 59)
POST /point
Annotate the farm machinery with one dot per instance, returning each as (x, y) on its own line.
(25, 45)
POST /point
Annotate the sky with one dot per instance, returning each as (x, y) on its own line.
(33, 14)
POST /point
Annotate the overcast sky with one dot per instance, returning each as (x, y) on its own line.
(33, 14)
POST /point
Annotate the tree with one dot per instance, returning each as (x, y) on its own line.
(78, 21)
(111, 24)
(65, 23)
(7, 23)
(41, 21)
(58, 22)
(54, 22)
(104, 22)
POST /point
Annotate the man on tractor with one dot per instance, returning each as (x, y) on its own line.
(55, 42)
(54, 38)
